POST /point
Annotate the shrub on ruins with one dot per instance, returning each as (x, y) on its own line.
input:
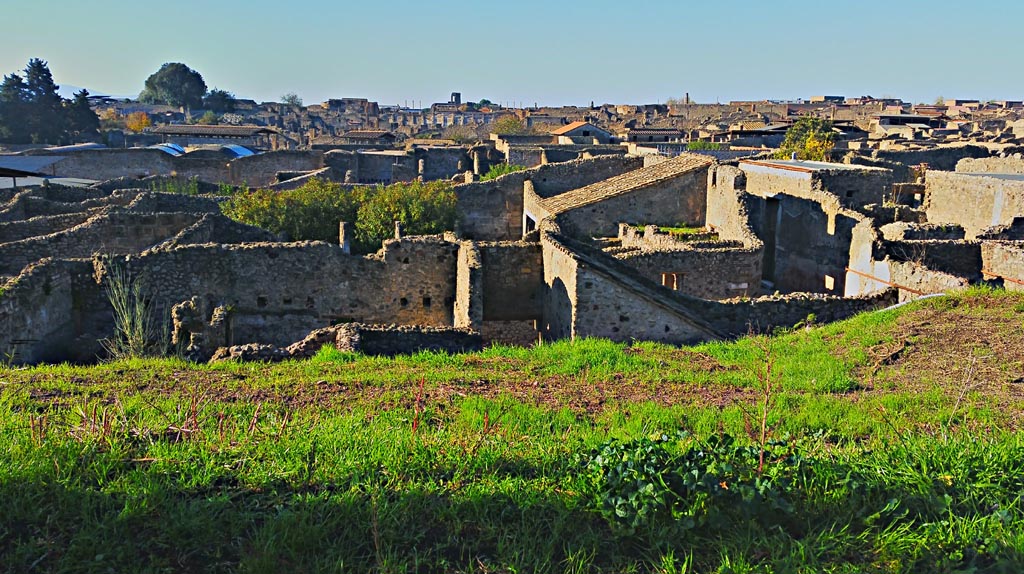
(220, 101)
(313, 211)
(499, 169)
(31, 110)
(422, 208)
(703, 145)
(810, 138)
(174, 84)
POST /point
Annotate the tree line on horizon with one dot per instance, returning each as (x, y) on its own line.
(31, 110)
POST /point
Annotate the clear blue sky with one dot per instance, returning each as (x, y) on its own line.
(546, 51)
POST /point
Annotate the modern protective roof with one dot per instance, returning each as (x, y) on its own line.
(574, 126)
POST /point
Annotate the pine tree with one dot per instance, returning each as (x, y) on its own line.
(46, 108)
(82, 122)
(13, 109)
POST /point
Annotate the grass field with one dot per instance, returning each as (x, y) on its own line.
(890, 442)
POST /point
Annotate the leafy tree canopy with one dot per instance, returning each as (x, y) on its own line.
(220, 101)
(32, 111)
(291, 99)
(174, 84)
(810, 138)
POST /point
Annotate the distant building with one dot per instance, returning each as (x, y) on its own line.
(582, 132)
(250, 136)
(653, 134)
(368, 137)
(827, 99)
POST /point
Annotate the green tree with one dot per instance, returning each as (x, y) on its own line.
(174, 84)
(499, 169)
(508, 125)
(810, 138)
(82, 120)
(220, 101)
(312, 212)
(13, 110)
(292, 99)
(46, 108)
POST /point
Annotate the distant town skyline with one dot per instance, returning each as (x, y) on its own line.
(549, 53)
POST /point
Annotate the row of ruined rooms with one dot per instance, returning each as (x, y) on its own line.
(546, 253)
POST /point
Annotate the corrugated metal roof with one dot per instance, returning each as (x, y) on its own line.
(33, 163)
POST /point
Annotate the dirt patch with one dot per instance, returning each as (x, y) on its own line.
(970, 355)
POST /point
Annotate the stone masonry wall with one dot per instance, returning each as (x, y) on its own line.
(513, 280)
(972, 201)
(706, 272)
(1005, 259)
(1011, 164)
(493, 210)
(277, 293)
(114, 232)
(681, 200)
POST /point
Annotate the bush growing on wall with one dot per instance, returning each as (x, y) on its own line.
(312, 212)
(499, 169)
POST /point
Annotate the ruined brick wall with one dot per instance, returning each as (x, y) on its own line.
(277, 293)
(261, 169)
(955, 257)
(707, 270)
(442, 163)
(39, 310)
(1006, 260)
(1011, 164)
(972, 201)
(678, 201)
(739, 317)
(939, 158)
(391, 340)
(469, 290)
(115, 232)
(103, 164)
(560, 272)
(518, 333)
(912, 275)
(34, 203)
(855, 189)
(41, 225)
(493, 210)
(513, 280)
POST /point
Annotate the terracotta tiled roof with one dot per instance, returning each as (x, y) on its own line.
(570, 127)
(367, 134)
(626, 183)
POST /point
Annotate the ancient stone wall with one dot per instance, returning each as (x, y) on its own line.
(915, 279)
(114, 232)
(955, 257)
(1005, 259)
(707, 271)
(442, 162)
(1011, 164)
(261, 169)
(518, 333)
(939, 158)
(38, 311)
(493, 210)
(973, 201)
(513, 280)
(41, 225)
(276, 293)
(391, 340)
(855, 189)
(678, 201)
(469, 290)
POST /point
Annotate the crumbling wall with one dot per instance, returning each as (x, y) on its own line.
(705, 270)
(38, 312)
(1011, 164)
(513, 280)
(678, 201)
(41, 225)
(391, 340)
(469, 290)
(1004, 260)
(939, 158)
(261, 169)
(493, 210)
(115, 232)
(278, 292)
(975, 202)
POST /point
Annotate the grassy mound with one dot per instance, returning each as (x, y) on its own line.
(889, 442)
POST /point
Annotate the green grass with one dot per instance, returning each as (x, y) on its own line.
(483, 462)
